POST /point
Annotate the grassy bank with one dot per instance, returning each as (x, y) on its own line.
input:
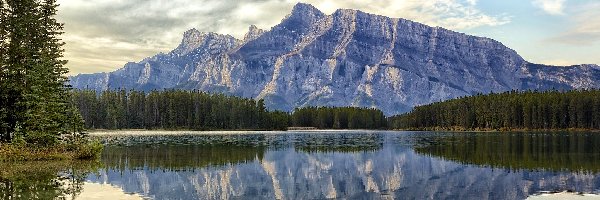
(62, 151)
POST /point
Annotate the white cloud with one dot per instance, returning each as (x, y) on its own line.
(585, 28)
(472, 2)
(146, 27)
(576, 40)
(553, 7)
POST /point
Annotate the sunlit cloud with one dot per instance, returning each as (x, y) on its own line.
(585, 28)
(102, 54)
(553, 7)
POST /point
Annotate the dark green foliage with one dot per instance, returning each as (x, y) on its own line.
(556, 151)
(579, 109)
(174, 109)
(6, 96)
(196, 110)
(339, 118)
(33, 86)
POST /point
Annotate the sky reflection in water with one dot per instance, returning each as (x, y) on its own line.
(353, 165)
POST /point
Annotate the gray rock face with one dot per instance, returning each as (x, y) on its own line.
(348, 58)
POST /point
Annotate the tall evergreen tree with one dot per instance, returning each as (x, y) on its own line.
(18, 22)
(34, 81)
(5, 122)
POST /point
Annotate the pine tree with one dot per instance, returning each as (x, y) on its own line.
(18, 22)
(6, 123)
(33, 73)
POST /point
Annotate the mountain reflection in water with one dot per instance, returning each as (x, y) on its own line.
(352, 165)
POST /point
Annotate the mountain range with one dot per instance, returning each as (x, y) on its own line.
(348, 58)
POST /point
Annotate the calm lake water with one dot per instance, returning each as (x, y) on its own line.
(319, 165)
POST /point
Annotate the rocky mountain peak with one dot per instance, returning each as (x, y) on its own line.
(305, 13)
(191, 36)
(193, 39)
(253, 33)
(304, 9)
(345, 11)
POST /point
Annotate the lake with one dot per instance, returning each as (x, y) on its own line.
(318, 165)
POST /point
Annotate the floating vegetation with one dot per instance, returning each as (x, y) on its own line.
(193, 138)
(348, 142)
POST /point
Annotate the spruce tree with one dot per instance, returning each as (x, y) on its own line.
(5, 122)
(17, 22)
(36, 83)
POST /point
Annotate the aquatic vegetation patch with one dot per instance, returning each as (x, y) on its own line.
(61, 151)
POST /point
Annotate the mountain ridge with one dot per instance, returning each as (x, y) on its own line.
(348, 58)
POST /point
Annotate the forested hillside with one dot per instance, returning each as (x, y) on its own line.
(196, 110)
(174, 109)
(339, 118)
(511, 110)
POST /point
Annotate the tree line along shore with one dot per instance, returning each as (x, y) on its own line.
(196, 110)
(514, 110)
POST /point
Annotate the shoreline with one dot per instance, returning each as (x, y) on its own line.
(22, 152)
(227, 132)
(141, 132)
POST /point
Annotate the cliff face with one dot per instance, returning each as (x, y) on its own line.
(348, 58)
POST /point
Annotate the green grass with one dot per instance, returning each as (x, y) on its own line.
(82, 150)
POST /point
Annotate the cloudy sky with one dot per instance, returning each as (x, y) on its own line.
(102, 35)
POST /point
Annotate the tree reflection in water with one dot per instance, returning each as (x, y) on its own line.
(177, 157)
(44, 179)
(558, 151)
